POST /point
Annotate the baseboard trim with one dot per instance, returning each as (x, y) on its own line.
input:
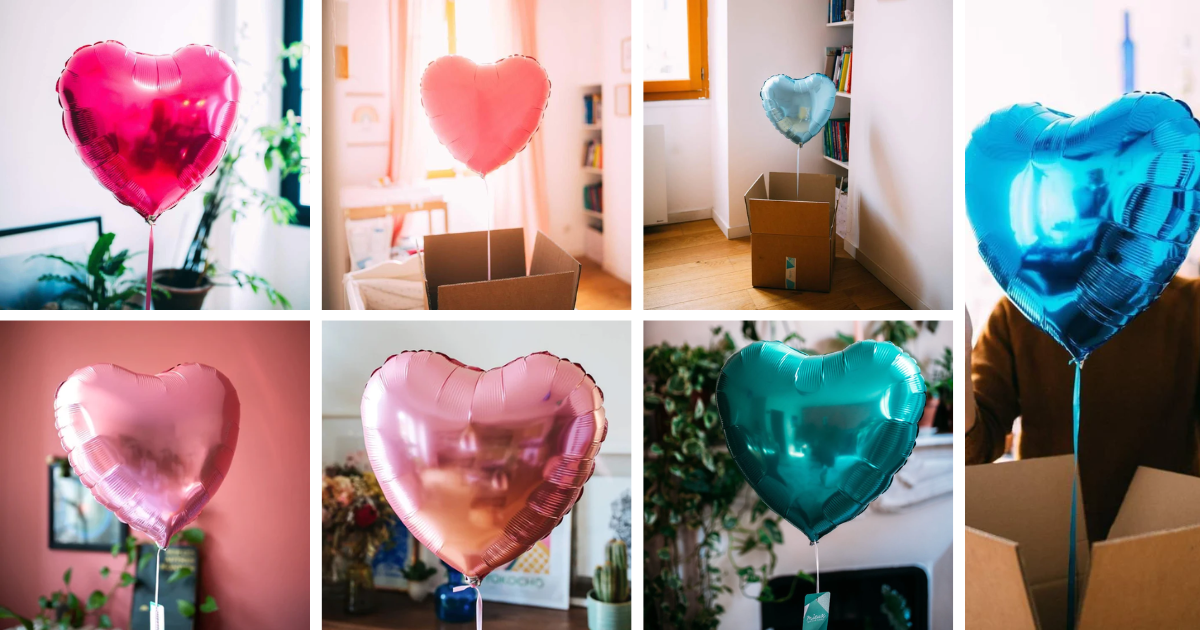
(686, 216)
(903, 292)
(850, 249)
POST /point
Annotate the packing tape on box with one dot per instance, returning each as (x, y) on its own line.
(789, 273)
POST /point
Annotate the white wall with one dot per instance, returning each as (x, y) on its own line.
(364, 160)
(922, 535)
(616, 25)
(718, 92)
(1075, 68)
(687, 129)
(901, 143)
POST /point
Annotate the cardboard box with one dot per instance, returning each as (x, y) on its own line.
(791, 231)
(456, 272)
(1146, 574)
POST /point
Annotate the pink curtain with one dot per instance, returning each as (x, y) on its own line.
(406, 153)
(519, 187)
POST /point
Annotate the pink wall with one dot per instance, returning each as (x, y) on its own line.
(255, 559)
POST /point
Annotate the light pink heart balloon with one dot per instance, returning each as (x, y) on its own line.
(484, 114)
(481, 465)
(153, 449)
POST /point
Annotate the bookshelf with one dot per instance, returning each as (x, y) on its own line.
(841, 36)
(592, 131)
(845, 165)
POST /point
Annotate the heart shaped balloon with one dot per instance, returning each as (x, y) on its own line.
(819, 437)
(154, 449)
(484, 114)
(150, 127)
(1084, 221)
(799, 108)
(480, 465)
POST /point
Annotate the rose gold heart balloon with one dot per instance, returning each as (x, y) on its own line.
(481, 465)
(153, 449)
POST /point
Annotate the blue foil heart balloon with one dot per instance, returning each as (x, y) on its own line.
(819, 437)
(1084, 221)
(799, 108)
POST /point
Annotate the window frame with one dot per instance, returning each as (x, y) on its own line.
(452, 49)
(293, 88)
(696, 86)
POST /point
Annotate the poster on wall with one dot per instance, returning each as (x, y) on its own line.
(540, 577)
(392, 558)
(605, 512)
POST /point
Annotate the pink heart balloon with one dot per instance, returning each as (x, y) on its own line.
(484, 114)
(153, 449)
(150, 127)
(481, 465)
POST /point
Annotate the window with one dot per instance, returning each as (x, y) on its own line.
(461, 27)
(676, 54)
(301, 22)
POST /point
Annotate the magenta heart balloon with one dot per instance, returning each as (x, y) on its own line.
(481, 465)
(150, 127)
(484, 114)
(153, 449)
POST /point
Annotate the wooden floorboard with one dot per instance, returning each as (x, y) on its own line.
(600, 290)
(692, 265)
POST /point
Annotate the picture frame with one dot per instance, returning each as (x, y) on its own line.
(623, 102)
(539, 577)
(19, 287)
(77, 521)
(627, 55)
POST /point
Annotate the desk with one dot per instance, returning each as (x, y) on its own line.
(397, 611)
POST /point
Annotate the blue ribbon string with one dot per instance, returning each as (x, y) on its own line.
(1074, 491)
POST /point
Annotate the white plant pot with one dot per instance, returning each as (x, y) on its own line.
(418, 591)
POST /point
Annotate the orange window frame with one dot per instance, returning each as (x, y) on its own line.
(452, 39)
(696, 85)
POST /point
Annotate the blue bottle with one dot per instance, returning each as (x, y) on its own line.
(455, 607)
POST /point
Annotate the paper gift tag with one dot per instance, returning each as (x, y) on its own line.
(157, 613)
(816, 611)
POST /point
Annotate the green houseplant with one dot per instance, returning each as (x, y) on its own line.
(105, 281)
(608, 603)
(418, 574)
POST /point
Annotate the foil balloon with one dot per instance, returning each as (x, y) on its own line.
(799, 108)
(484, 114)
(150, 127)
(154, 449)
(820, 437)
(1084, 221)
(481, 465)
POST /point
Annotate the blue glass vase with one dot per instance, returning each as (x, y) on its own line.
(455, 607)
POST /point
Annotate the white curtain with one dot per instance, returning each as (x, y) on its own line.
(406, 156)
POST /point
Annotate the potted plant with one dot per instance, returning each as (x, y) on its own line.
(418, 575)
(102, 282)
(941, 389)
(278, 146)
(608, 605)
(354, 521)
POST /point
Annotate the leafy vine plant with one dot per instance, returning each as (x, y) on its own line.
(698, 506)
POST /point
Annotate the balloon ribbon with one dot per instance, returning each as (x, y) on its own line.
(150, 272)
(1074, 490)
(473, 582)
(817, 555)
(156, 611)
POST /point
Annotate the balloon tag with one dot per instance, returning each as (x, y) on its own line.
(816, 611)
(157, 621)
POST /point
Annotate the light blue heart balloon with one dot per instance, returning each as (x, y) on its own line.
(1084, 221)
(799, 108)
(820, 437)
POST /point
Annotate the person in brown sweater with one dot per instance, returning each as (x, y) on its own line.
(1139, 397)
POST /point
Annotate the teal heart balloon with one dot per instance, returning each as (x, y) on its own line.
(820, 437)
(1083, 221)
(799, 108)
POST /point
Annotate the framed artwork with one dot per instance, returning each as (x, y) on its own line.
(77, 520)
(604, 512)
(626, 55)
(19, 286)
(623, 103)
(390, 561)
(540, 577)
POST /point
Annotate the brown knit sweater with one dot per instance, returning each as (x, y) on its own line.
(1139, 397)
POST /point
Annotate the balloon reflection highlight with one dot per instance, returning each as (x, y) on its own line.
(480, 465)
(820, 437)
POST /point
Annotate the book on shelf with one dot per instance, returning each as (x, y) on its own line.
(837, 139)
(593, 155)
(592, 106)
(839, 66)
(593, 197)
(837, 10)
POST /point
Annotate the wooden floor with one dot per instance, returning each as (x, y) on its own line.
(692, 265)
(600, 291)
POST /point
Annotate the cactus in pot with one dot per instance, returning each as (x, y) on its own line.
(608, 603)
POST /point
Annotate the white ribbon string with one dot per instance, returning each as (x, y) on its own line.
(473, 582)
(817, 554)
(798, 170)
(155, 616)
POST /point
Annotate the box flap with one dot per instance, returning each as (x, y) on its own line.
(1029, 503)
(1147, 581)
(541, 292)
(757, 191)
(463, 257)
(812, 187)
(548, 258)
(996, 595)
(1157, 500)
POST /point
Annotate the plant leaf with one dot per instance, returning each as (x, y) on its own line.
(179, 574)
(96, 600)
(194, 536)
(103, 572)
(67, 577)
(8, 614)
(103, 244)
(186, 608)
(105, 622)
(209, 605)
(127, 579)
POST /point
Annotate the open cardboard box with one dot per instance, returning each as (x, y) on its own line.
(791, 231)
(1146, 574)
(456, 272)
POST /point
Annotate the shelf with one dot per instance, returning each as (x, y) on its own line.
(595, 127)
(845, 165)
(844, 94)
(593, 170)
(593, 214)
(398, 611)
(840, 24)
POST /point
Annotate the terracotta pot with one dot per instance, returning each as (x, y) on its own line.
(188, 290)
